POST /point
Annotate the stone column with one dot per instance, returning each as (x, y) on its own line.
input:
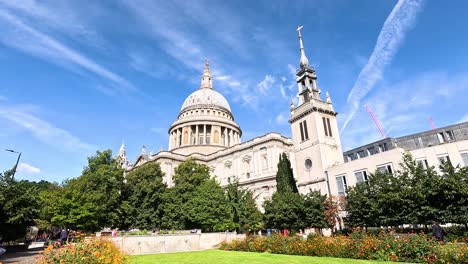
(196, 135)
(225, 137)
(182, 137)
(170, 141)
(189, 135)
(204, 134)
(177, 138)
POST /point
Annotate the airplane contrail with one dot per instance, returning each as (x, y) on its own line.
(400, 20)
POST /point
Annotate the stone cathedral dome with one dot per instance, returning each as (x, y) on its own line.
(205, 97)
(205, 123)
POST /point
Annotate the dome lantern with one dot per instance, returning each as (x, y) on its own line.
(206, 79)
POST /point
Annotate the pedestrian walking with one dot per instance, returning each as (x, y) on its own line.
(437, 231)
(63, 237)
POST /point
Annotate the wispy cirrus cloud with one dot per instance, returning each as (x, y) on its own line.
(19, 35)
(43, 130)
(202, 31)
(265, 86)
(27, 168)
(61, 16)
(463, 118)
(404, 107)
(393, 32)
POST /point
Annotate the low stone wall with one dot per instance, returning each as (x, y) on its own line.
(137, 245)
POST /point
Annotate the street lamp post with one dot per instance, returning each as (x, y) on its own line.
(17, 160)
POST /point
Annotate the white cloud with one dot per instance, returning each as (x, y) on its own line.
(222, 29)
(404, 107)
(265, 85)
(400, 20)
(27, 168)
(56, 15)
(292, 70)
(463, 119)
(281, 119)
(19, 35)
(145, 62)
(283, 91)
(43, 130)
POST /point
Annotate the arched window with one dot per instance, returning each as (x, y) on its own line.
(185, 137)
(216, 137)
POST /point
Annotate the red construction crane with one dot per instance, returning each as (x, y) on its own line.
(379, 127)
(432, 123)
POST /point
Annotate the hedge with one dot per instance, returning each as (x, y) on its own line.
(417, 248)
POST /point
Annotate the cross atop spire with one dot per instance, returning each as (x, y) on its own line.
(304, 62)
(207, 79)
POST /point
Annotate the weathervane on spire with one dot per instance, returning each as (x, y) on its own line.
(299, 30)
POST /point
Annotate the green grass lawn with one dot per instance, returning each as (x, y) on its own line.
(228, 257)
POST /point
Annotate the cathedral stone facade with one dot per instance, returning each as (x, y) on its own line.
(205, 130)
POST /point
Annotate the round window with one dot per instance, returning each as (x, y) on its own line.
(308, 164)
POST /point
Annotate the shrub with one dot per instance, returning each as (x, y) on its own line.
(359, 245)
(92, 251)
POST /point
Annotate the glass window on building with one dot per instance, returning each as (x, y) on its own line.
(441, 137)
(352, 156)
(362, 154)
(371, 150)
(387, 168)
(449, 134)
(325, 126)
(380, 148)
(341, 184)
(443, 159)
(423, 163)
(465, 158)
(306, 134)
(361, 176)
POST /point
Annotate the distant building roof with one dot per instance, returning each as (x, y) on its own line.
(429, 138)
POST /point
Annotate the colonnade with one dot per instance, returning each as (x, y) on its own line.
(206, 134)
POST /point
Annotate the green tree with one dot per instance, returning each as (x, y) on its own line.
(208, 208)
(246, 215)
(173, 216)
(188, 176)
(91, 201)
(314, 210)
(285, 181)
(143, 193)
(362, 206)
(19, 206)
(413, 195)
(453, 190)
(285, 210)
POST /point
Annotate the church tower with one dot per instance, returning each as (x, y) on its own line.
(317, 144)
(122, 157)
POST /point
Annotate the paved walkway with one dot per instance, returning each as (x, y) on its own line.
(22, 257)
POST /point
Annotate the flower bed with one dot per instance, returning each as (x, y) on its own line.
(359, 245)
(92, 251)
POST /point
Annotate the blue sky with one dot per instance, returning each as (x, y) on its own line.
(76, 78)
